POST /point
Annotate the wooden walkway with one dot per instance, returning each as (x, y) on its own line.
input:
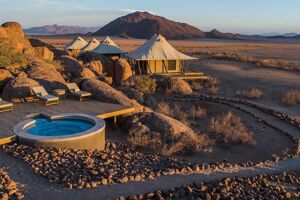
(23, 111)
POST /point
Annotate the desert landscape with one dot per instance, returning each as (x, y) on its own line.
(123, 113)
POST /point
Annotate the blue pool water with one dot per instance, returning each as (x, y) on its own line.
(59, 127)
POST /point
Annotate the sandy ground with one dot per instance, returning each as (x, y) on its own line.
(239, 76)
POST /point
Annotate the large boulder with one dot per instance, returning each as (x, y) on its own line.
(5, 75)
(41, 52)
(122, 71)
(71, 65)
(103, 92)
(13, 33)
(46, 74)
(173, 85)
(108, 67)
(85, 73)
(16, 90)
(96, 66)
(168, 135)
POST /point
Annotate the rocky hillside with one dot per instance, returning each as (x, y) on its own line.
(145, 25)
(59, 30)
(215, 34)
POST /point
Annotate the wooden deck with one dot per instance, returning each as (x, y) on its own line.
(24, 111)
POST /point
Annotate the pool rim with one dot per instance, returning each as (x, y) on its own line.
(99, 125)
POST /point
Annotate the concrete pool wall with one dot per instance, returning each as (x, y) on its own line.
(93, 138)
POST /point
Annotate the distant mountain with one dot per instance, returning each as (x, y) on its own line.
(219, 35)
(59, 30)
(290, 34)
(144, 25)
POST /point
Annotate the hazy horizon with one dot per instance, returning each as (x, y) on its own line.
(246, 17)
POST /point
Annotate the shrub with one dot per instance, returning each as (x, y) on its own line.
(196, 85)
(291, 97)
(230, 129)
(174, 111)
(213, 81)
(253, 93)
(145, 84)
(198, 112)
(213, 90)
(187, 144)
(9, 58)
(144, 140)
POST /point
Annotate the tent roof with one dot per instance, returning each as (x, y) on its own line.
(76, 43)
(91, 45)
(107, 46)
(157, 48)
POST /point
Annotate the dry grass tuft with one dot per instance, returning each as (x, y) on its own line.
(144, 140)
(198, 112)
(213, 90)
(188, 144)
(230, 129)
(173, 111)
(253, 93)
(145, 84)
(291, 98)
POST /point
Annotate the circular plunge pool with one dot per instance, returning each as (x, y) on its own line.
(77, 131)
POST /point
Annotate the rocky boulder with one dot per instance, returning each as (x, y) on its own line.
(103, 92)
(122, 71)
(13, 33)
(85, 73)
(171, 136)
(18, 89)
(5, 75)
(96, 67)
(71, 65)
(41, 52)
(173, 85)
(46, 74)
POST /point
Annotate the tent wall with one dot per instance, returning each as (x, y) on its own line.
(158, 66)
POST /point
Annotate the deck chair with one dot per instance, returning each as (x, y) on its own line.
(76, 92)
(5, 106)
(43, 95)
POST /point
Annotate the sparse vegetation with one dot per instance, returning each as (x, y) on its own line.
(185, 143)
(213, 90)
(9, 58)
(264, 62)
(230, 129)
(145, 84)
(291, 97)
(173, 111)
(198, 112)
(253, 93)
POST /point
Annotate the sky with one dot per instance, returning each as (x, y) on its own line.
(235, 16)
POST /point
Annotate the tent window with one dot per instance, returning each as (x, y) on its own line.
(172, 65)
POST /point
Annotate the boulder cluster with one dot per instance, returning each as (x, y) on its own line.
(8, 188)
(80, 169)
(281, 186)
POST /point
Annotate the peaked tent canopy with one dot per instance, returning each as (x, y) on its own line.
(91, 45)
(76, 44)
(157, 56)
(157, 48)
(108, 47)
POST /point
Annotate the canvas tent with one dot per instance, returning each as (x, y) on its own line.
(108, 47)
(76, 44)
(91, 45)
(157, 56)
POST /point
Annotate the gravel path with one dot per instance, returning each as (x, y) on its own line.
(40, 188)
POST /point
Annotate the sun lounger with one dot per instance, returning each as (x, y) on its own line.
(43, 95)
(5, 106)
(76, 92)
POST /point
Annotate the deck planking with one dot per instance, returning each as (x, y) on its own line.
(23, 111)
